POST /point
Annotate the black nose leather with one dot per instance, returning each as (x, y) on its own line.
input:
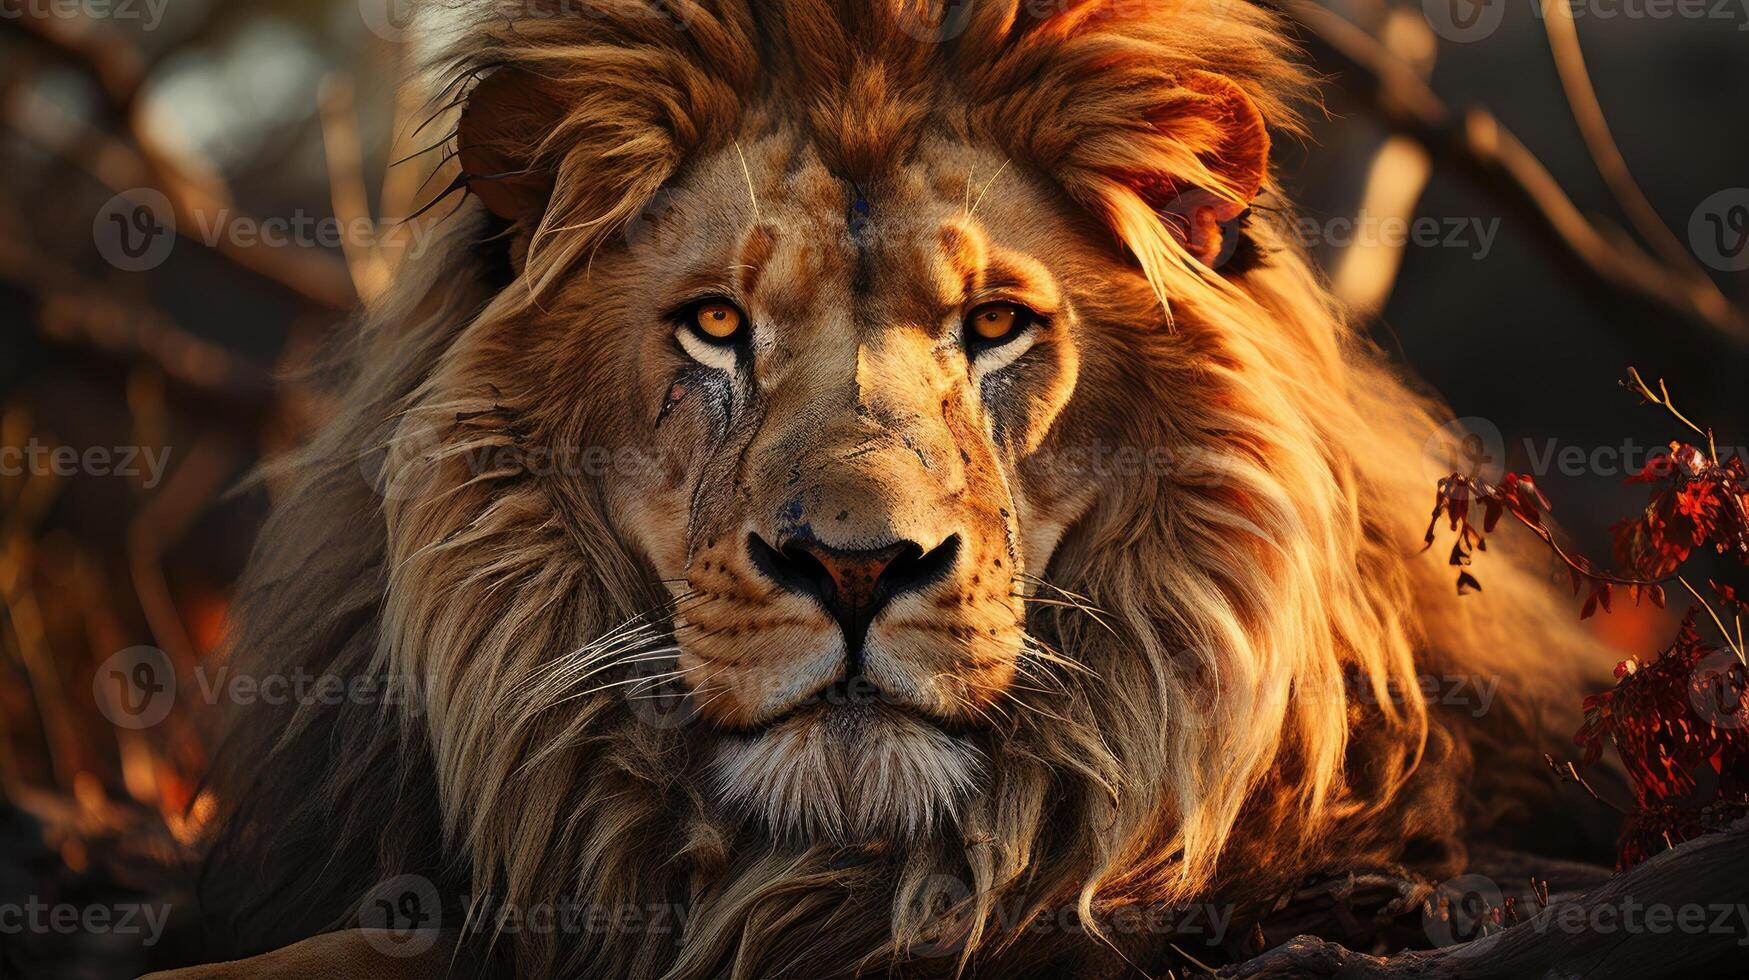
(852, 585)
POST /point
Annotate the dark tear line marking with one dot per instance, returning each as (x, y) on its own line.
(676, 392)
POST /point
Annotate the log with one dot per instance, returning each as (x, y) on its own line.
(1684, 912)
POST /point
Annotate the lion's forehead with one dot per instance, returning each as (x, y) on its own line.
(807, 247)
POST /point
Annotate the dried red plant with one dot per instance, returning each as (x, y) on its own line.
(1679, 722)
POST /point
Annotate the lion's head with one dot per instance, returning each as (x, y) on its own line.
(843, 446)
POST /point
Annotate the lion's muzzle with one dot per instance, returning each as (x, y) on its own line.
(852, 585)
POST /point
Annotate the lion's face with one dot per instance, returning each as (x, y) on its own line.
(844, 386)
(873, 330)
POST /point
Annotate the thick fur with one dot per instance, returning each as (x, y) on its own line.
(1223, 700)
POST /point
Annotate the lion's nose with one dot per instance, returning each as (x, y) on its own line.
(852, 585)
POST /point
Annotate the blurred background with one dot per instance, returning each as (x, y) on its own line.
(1519, 201)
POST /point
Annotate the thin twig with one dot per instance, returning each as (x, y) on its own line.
(1476, 143)
(1569, 58)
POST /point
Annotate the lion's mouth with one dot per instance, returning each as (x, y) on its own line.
(847, 707)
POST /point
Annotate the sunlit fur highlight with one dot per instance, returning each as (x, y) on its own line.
(1211, 746)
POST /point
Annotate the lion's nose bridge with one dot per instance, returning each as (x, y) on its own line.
(863, 465)
(865, 486)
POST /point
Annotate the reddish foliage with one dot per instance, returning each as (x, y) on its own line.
(1696, 501)
(1680, 723)
(1681, 727)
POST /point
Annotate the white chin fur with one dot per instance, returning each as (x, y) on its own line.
(848, 775)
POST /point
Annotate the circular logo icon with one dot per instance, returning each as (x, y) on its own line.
(398, 461)
(135, 688)
(1197, 677)
(387, 19)
(402, 916)
(1718, 230)
(657, 701)
(1462, 909)
(940, 902)
(1464, 21)
(135, 230)
(935, 22)
(1472, 446)
(1717, 688)
(648, 227)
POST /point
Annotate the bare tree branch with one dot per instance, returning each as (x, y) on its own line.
(1480, 147)
(1594, 127)
(197, 194)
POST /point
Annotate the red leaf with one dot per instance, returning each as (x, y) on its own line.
(1491, 515)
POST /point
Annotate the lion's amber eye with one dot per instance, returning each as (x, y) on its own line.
(718, 320)
(997, 322)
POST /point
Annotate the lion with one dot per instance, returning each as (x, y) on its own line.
(862, 474)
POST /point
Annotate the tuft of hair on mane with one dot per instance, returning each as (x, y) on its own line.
(1256, 712)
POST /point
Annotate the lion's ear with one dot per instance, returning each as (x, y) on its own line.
(506, 117)
(1216, 123)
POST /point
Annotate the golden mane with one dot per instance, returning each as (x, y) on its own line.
(1253, 711)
